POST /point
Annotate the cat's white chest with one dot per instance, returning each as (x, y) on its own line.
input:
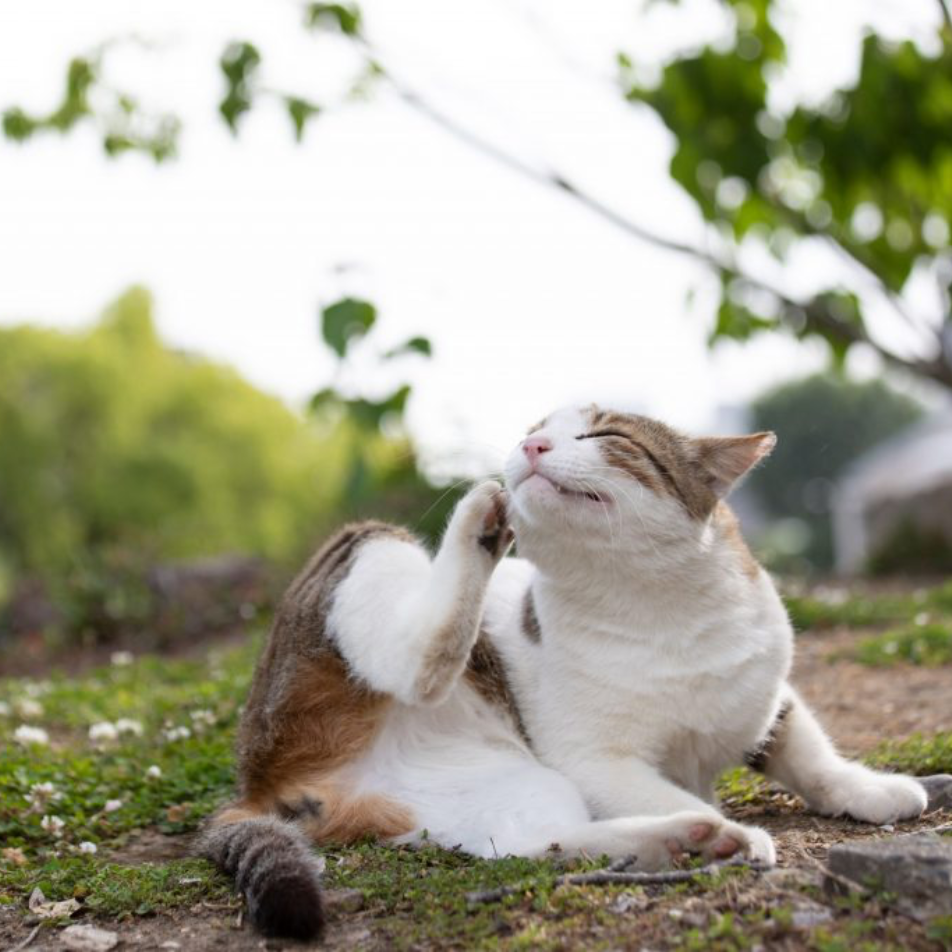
(688, 701)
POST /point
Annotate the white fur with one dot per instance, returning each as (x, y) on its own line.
(662, 662)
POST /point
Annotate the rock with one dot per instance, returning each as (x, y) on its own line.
(939, 791)
(88, 939)
(340, 902)
(810, 916)
(51, 910)
(916, 869)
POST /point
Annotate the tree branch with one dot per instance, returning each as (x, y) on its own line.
(819, 318)
(946, 16)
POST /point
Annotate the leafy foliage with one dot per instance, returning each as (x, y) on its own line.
(123, 124)
(869, 172)
(929, 644)
(824, 423)
(866, 174)
(345, 321)
(239, 63)
(346, 17)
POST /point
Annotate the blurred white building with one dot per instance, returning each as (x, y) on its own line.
(903, 484)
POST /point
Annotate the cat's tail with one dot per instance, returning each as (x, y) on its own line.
(273, 867)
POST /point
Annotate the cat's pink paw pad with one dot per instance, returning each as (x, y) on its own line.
(725, 846)
(700, 832)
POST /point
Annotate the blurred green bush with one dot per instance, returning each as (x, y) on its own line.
(119, 455)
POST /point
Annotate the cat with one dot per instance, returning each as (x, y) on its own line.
(581, 699)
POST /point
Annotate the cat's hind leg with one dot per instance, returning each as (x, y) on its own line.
(798, 754)
(406, 624)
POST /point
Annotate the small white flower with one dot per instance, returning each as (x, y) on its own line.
(4, 709)
(922, 618)
(126, 725)
(87, 847)
(52, 824)
(202, 719)
(122, 659)
(29, 709)
(103, 731)
(41, 794)
(26, 734)
(177, 733)
(154, 772)
(112, 805)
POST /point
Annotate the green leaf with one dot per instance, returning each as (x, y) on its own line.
(300, 111)
(415, 345)
(345, 17)
(346, 320)
(323, 399)
(238, 63)
(370, 413)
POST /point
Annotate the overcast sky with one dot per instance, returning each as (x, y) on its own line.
(530, 301)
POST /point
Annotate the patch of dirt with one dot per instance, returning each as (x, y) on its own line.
(861, 706)
(151, 846)
(188, 930)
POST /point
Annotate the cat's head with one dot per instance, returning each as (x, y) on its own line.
(621, 476)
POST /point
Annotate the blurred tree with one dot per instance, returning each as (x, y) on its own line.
(113, 440)
(120, 453)
(866, 176)
(825, 423)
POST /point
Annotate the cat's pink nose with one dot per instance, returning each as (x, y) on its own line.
(535, 446)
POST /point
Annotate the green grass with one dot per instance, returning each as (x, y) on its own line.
(917, 755)
(929, 644)
(103, 793)
(73, 794)
(836, 607)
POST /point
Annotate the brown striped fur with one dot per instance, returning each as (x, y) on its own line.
(306, 718)
(530, 620)
(486, 673)
(759, 758)
(694, 472)
(729, 528)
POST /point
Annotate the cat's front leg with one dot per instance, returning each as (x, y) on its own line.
(799, 755)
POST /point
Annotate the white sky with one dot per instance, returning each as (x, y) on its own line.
(530, 301)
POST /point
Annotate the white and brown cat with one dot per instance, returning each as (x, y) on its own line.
(581, 699)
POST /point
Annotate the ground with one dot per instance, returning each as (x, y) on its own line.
(99, 800)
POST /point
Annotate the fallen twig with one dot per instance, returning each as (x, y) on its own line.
(26, 941)
(612, 875)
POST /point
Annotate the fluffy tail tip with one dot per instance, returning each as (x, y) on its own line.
(275, 870)
(288, 907)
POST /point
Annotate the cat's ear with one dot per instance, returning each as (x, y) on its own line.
(724, 459)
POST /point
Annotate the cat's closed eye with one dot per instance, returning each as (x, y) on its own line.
(604, 433)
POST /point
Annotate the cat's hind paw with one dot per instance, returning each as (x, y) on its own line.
(481, 518)
(712, 837)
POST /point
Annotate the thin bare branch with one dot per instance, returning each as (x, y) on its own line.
(613, 876)
(818, 316)
(946, 15)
